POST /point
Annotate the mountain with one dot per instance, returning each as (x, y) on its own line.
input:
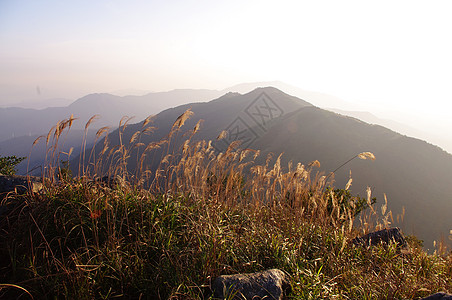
(412, 173)
(130, 92)
(444, 141)
(22, 146)
(318, 99)
(325, 101)
(249, 114)
(40, 103)
(15, 122)
(19, 127)
(372, 119)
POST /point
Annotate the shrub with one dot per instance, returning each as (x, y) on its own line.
(8, 164)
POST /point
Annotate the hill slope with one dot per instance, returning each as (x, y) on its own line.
(412, 173)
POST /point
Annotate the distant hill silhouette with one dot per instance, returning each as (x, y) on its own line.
(16, 122)
(19, 127)
(231, 111)
(38, 103)
(411, 172)
(335, 104)
(21, 147)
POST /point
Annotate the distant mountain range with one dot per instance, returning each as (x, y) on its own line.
(412, 173)
(40, 103)
(372, 119)
(19, 127)
(17, 122)
(36, 155)
(335, 104)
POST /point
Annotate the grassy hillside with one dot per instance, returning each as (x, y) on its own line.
(412, 173)
(167, 236)
(213, 117)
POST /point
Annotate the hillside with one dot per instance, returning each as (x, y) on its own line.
(438, 137)
(232, 111)
(372, 119)
(200, 217)
(411, 172)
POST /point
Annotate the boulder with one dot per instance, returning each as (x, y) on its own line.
(18, 183)
(13, 184)
(269, 284)
(384, 236)
(438, 296)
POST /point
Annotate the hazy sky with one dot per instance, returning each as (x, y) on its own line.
(385, 56)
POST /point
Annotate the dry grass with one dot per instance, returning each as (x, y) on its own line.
(167, 233)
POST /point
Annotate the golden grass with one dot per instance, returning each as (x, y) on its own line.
(188, 213)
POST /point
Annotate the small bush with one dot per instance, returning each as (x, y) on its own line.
(8, 164)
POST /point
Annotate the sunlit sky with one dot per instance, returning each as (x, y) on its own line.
(389, 57)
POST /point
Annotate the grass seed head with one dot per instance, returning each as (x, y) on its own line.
(366, 155)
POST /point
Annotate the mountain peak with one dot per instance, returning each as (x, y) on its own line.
(267, 89)
(244, 88)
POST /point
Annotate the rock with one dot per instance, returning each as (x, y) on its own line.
(384, 236)
(18, 183)
(438, 296)
(269, 284)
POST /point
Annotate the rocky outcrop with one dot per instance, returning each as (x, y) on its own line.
(438, 296)
(16, 184)
(384, 236)
(19, 184)
(269, 284)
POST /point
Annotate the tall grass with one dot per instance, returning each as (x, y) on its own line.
(167, 233)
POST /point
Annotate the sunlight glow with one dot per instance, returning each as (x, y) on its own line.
(386, 56)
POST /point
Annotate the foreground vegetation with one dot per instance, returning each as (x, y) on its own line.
(168, 233)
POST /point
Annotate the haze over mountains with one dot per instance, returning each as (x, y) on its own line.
(21, 126)
(40, 103)
(111, 108)
(23, 119)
